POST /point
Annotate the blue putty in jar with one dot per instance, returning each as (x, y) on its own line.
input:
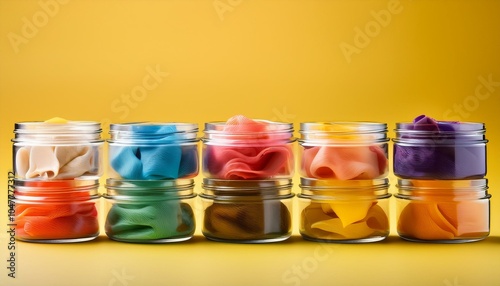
(153, 151)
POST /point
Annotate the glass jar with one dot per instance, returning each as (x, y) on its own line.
(57, 150)
(56, 211)
(343, 150)
(154, 211)
(354, 211)
(153, 151)
(247, 211)
(440, 150)
(252, 150)
(443, 211)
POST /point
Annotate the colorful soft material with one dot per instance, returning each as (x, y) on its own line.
(343, 221)
(444, 215)
(337, 159)
(57, 162)
(72, 216)
(158, 158)
(56, 221)
(247, 222)
(262, 156)
(432, 220)
(344, 163)
(143, 222)
(434, 156)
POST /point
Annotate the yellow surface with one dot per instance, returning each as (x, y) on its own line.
(205, 60)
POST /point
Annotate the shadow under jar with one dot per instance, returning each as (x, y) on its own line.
(58, 150)
(247, 211)
(343, 150)
(443, 211)
(153, 151)
(57, 211)
(154, 211)
(354, 211)
(440, 150)
(256, 150)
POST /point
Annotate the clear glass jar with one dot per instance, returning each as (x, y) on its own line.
(343, 150)
(440, 150)
(153, 151)
(56, 211)
(247, 211)
(58, 150)
(154, 211)
(447, 211)
(256, 150)
(354, 211)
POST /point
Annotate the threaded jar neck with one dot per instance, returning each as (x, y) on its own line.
(246, 189)
(259, 132)
(450, 190)
(342, 133)
(151, 133)
(71, 132)
(149, 190)
(344, 190)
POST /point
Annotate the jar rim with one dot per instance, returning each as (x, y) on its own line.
(323, 184)
(246, 198)
(150, 133)
(148, 190)
(55, 191)
(355, 127)
(460, 126)
(455, 133)
(28, 127)
(273, 126)
(54, 184)
(141, 197)
(344, 190)
(345, 195)
(342, 133)
(50, 133)
(235, 185)
(430, 185)
(159, 185)
(274, 133)
(129, 126)
(246, 189)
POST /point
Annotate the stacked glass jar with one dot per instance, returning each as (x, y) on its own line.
(343, 169)
(149, 190)
(248, 167)
(442, 189)
(57, 165)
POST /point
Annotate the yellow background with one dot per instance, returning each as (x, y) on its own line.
(272, 59)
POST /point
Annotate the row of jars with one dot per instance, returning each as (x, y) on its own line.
(341, 151)
(246, 211)
(247, 185)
